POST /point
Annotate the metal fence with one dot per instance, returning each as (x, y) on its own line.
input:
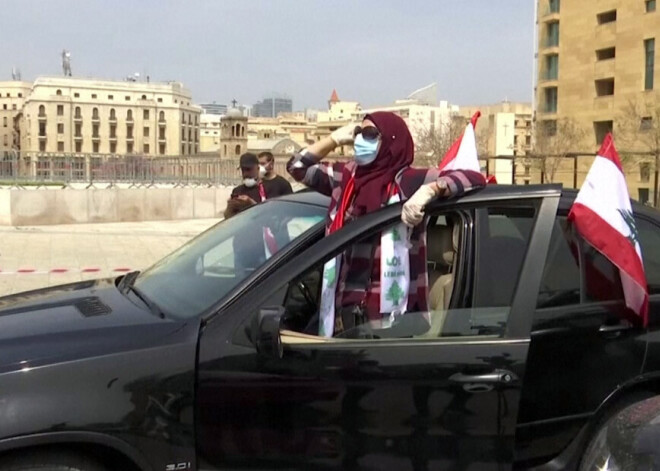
(36, 169)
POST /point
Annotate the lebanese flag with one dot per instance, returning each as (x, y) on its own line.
(462, 155)
(603, 216)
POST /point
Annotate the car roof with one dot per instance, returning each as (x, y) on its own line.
(308, 196)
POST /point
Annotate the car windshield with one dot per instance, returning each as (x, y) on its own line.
(200, 273)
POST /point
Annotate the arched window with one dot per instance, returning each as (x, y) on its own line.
(190, 119)
(225, 150)
(58, 92)
(144, 97)
(42, 110)
(113, 115)
(238, 150)
(238, 130)
(129, 115)
(161, 116)
(233, 131)
(78, 114)
(242, 131)
(95, 113)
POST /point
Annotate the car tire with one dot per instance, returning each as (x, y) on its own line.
(50, 460)
(625, 402)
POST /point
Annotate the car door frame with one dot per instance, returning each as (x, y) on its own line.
(226, 339)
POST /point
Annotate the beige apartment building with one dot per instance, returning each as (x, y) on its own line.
(594, 59)
(74, 115)
(209, 132)
(12, 97)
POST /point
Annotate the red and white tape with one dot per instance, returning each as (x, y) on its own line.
(55, 271)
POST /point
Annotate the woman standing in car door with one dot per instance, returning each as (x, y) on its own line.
(372, 280)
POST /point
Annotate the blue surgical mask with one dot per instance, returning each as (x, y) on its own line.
(366, 150)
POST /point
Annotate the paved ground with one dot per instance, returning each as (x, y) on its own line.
(35, 257)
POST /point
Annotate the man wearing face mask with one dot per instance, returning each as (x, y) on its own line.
(251, 189)
(274, 184)
(357, 282)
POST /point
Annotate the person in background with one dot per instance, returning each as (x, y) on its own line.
(275, 184)
(379, 174)
(252, 188)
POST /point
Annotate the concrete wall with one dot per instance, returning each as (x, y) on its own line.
(70, 206)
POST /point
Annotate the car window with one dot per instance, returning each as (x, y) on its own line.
(649, 239)
(503, 234)
(200, 273)
(560, 284)
(504, 228)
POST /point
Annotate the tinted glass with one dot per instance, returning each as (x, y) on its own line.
(649, 239)
(503, 235)
(560, 284)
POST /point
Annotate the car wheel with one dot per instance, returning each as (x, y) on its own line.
(49, 460)
(598, 438)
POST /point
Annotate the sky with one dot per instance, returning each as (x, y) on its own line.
(371, 51)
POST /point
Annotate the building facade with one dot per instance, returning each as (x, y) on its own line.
(233, 134)
(72, 115)
(210, 126)
(214, 108)
(595, 59)
(272, 107)
(12, 98)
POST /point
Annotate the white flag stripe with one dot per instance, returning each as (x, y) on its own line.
(599, 194)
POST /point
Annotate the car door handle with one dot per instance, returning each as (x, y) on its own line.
(615, 329)
(495, 377)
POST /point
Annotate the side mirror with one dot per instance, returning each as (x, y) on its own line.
(266, 332)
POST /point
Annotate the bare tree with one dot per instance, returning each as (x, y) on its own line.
(433, 142)
(638, 133)
(554, 142)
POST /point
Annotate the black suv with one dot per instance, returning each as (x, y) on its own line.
(207, 361)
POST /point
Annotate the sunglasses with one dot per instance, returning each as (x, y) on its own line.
(370, 133)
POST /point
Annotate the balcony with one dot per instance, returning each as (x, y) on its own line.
(161, 139)
(42, 117)
(96, 119)
(112, 119)
(96, 137)
(78, 137)
(129, 138)
(113, 138)
(78, 117)
(42, 137)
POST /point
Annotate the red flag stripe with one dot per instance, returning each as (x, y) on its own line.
(608, 151)
(613, 245)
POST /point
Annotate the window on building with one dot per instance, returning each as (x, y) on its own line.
(605, 54)
(60, 110)
(551, 67)
(552, 37)
(550, 100)
(111, 97)
(644, 172)
(190, 135)
(605, 87)
(5, 140)
(238, 150)
(196, 148)
(4, 107)
(183, 149)
(42, 129)
(42, 145)
(113, 130)
(95, 130)
(78, 146)
(113, 147)
(78, 130)
(20, 95)
(606, 17)
(60, 128)
(4, 122)
(113, 114)
(527, 169)
(93, 95)
(95, 147)
(646, 123)
(129, 147)
(643, 195)
(60, 146)
(553, 6)
(129, 115)
(528, 140)
(161, 148)
(144, 97)
(160, 100)
(145, 131)
(161, 116)
(76, 95)
(225, 149)
(145, 148)
(145, 114)
(95, 113)
(649, 62)
(601, 128)
(129, 131)
(650, 6)
(77, 112)
(13, 107)
(161, 133)
(190, 119)
(127, 98)
(58, 92)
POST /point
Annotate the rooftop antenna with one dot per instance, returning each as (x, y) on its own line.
(66, 63)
